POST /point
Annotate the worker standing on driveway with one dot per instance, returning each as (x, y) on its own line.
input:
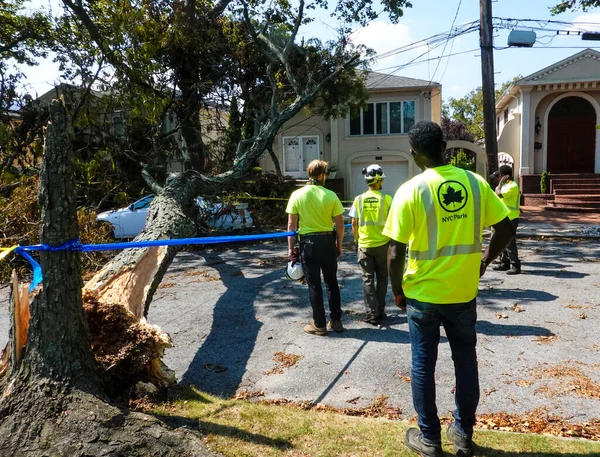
(440, 215)
(312, 208)
(369, 212)
(508, 190)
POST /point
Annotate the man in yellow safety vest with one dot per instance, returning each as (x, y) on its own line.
(369, 212)
(508, 190)
(439, 215)
(313, 210)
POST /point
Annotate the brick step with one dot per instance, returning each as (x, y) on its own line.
(583, 182)
(583, 190)
(574, 204)
(573, 175)
(579, 191)
(577, 198)
(572, 209)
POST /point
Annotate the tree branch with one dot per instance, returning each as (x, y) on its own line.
(110, 55)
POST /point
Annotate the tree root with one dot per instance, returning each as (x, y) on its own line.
(73, 424)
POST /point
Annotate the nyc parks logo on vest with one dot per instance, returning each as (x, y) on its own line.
(453, 196)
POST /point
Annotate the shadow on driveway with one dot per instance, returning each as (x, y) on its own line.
(220, 363)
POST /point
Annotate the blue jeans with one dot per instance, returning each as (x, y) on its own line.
(424, 320)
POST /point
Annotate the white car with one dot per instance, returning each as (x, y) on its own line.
(129, 222)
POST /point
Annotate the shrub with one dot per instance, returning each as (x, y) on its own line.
(544, 182)
(20, 225)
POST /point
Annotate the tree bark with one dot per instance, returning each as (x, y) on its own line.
(53, 403)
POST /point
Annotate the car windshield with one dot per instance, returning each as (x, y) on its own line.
(142, 202)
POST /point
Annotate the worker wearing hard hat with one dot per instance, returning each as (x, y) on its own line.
(369, 212)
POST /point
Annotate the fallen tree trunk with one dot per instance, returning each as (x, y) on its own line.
(53, 400)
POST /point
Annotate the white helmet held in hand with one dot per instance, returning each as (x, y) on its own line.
(373, 173)
(294, 271)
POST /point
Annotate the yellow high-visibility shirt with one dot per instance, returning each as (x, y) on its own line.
(511, 197)
(316, 206)
(440, 215)
(371, 210)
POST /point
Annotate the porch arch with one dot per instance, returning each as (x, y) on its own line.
(481, 162)
(596, 107)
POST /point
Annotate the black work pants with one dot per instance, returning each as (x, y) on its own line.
(319, 254)
(510, 256)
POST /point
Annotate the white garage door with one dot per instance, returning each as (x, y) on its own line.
(396, 173)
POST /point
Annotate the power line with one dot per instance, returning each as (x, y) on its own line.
(446, 44)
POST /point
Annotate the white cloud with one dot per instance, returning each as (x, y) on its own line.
(592, 22)
(382, 36)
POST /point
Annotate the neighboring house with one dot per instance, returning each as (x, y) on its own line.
(214, 120)
(548, 121)
(376, 133)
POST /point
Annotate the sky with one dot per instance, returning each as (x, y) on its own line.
(459, 68)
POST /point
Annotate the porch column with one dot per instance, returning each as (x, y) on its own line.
(526, 157)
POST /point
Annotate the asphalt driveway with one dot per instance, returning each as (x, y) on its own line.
(236, 323)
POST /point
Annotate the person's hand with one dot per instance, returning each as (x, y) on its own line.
(339, 250)
(504, 179)
(482, 268)
(400, 301)
(294, 255)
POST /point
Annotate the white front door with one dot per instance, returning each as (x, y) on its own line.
(298, 152)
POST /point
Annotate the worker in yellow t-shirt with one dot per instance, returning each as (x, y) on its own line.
(508, 190)
(313, 210)
(369, 212)
(439, 216)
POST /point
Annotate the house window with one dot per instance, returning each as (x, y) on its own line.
(383, 118)
(298, 152)
(505, 116)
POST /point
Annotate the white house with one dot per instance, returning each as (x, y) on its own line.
(549, 120)
(376, 133)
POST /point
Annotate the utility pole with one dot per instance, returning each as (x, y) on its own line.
(487, 83)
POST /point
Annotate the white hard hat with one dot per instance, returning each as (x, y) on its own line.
(373, 173)
(294, 271)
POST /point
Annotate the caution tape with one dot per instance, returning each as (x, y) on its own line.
(76, 245)
(249, 197)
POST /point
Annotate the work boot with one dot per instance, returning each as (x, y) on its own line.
(369, 319)
(514, 270)
(463, 444)
(336, 326)
(314, 330)
(501, 267)
(382, 316)
(414, 441)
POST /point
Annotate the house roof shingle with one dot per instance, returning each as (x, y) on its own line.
(379, 81)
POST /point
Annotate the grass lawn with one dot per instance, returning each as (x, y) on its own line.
(243, 428)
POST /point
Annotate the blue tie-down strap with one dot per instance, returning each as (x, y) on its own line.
(36, 267)
(75, 245)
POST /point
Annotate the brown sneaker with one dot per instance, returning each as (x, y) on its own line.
(336, 326)
(314, 330)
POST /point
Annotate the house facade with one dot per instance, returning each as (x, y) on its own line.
(375, 133)
(549, 120)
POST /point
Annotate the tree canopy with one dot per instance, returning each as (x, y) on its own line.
(469, 108)
(573, 5)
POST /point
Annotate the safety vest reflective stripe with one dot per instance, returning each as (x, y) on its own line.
(380, 218)
(432, 225)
